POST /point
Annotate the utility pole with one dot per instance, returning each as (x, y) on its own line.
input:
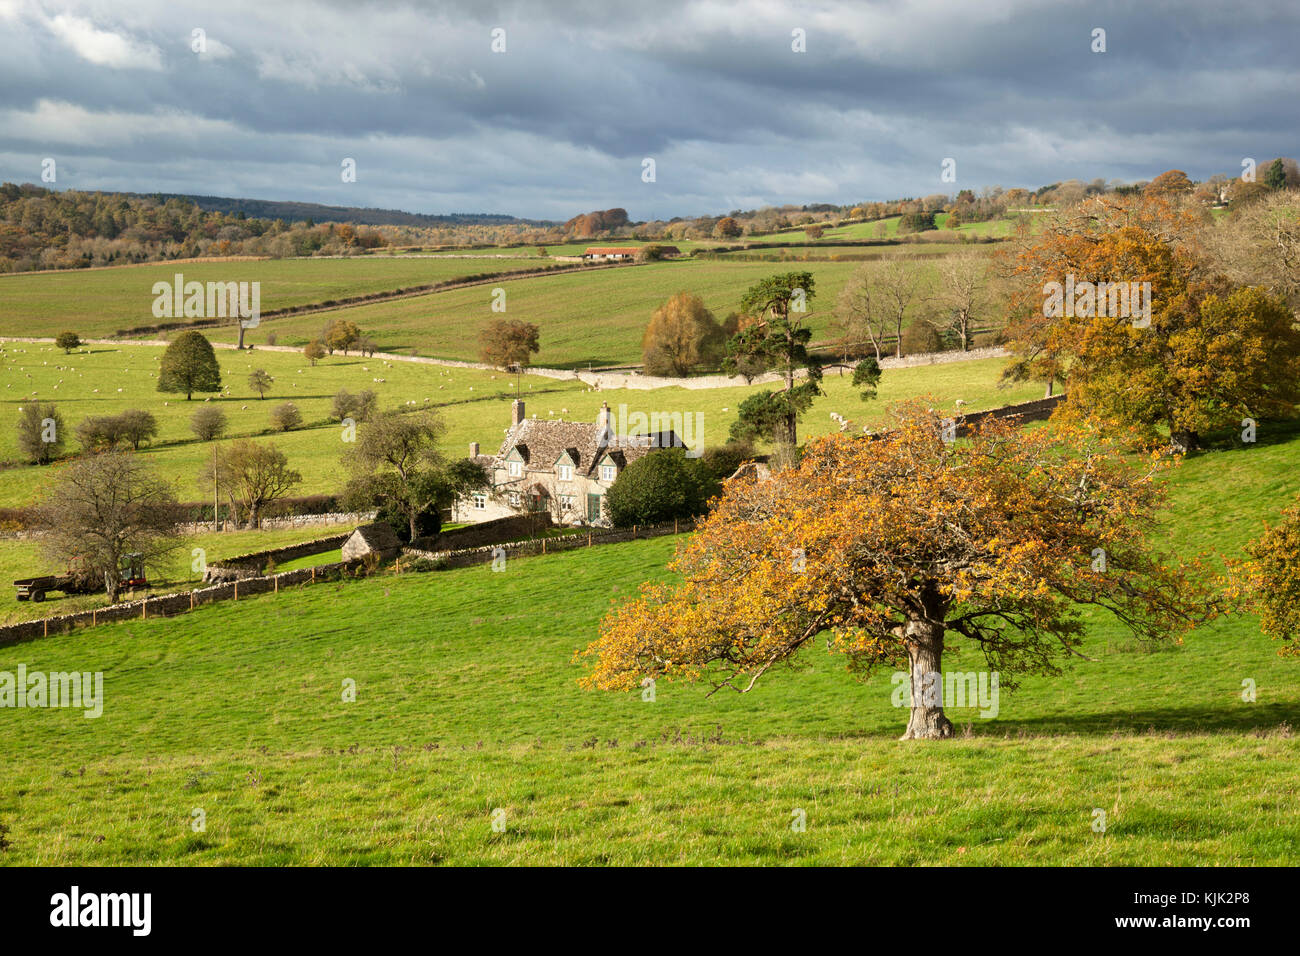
(214, 486)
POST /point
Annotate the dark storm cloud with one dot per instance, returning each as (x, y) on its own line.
(712, 92)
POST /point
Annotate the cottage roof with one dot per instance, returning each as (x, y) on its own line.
(379, 536)
(545, 441)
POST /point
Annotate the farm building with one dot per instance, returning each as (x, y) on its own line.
(623, 253)
(609, 253)
(378, 538)
(564, 468)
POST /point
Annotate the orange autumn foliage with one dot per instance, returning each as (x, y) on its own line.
(908, 541)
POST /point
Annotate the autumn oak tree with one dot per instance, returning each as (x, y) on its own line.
(1208, 355)
(508, 343)
(1273, 579)
(906, 543)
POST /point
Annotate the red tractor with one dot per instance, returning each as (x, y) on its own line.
(76, 580)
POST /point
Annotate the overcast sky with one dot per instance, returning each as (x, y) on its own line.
(562, 120)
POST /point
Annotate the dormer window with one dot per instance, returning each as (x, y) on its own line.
(565, 472)
(607, 472)
(516, 469)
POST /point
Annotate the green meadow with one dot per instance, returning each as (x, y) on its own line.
(95, 303)
(595, 318)
(475, 404)
(467, 713)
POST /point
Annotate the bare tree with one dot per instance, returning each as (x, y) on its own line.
(252, 477)
(102, 507)
(897, 287)
(1259, 244)
(963, 283)
(856, 320)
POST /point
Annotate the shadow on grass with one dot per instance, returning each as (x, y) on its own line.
(1267, 432)
(1236, 718)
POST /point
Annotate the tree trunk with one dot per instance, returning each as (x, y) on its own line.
(1050, 383)
(924, 640)
(1185, 442)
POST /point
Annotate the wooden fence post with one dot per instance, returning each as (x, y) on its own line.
(191, 600)
(47, 628)
(236, 589)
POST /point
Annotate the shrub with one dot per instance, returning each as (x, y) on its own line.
(40, 432)
(721, 461)
(285, 417)
(921, 337)
(100, 433)
(663, 485)
(207, 423)
(357, 407)
(137, 426)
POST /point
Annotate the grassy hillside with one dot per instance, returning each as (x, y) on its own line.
(467, 703)
(96, 302)
(475, 404)
(595, 318)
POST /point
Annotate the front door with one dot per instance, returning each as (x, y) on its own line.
(593, 507)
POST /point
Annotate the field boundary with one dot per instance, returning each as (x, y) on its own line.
(488, 553)
(171, 605)
(182, 602)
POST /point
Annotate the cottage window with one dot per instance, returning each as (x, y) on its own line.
(514, 499)
(607, 472)
(565, 472)
(516, 469)
(566, 502)
(480, 502)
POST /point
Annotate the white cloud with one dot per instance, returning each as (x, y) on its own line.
(103, 47)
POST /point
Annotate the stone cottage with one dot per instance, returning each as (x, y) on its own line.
(564, 468)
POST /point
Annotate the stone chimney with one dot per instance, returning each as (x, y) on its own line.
(517, 412)
(604, 432)
(473, 449)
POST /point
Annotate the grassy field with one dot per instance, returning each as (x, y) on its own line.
(475, 404)
(467, 709)
(594, 319)
(858, 231)
(96, 302)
